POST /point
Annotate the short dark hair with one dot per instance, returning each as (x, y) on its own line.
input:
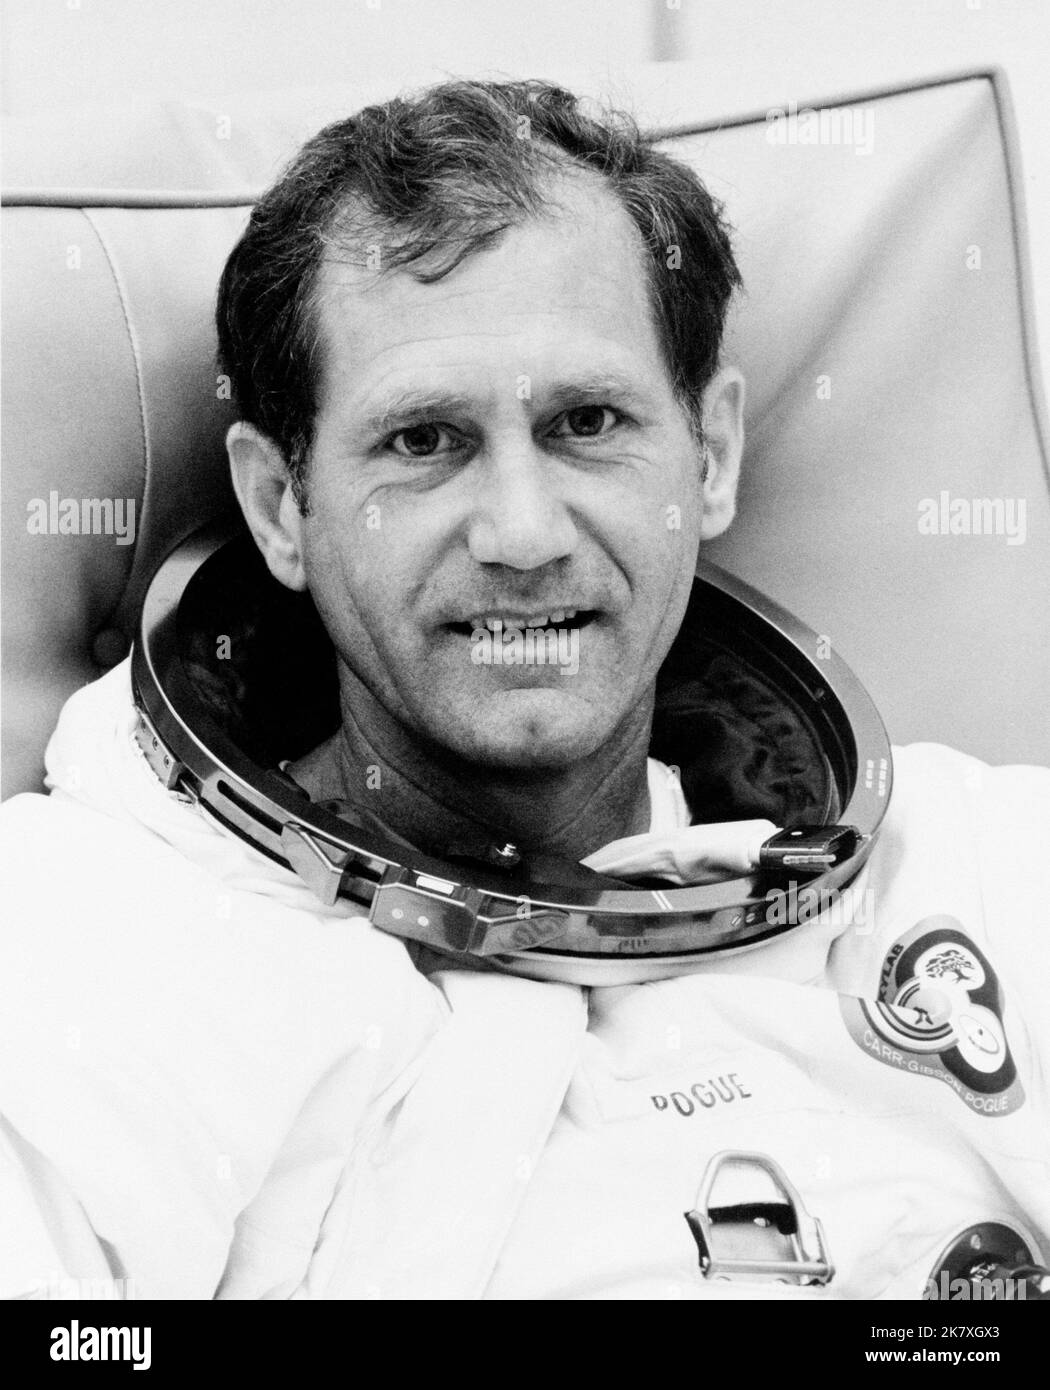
(432, 179)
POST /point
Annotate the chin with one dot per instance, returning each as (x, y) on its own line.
(528, 729)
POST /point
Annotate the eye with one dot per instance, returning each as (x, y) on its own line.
(586, 422)
(420, 441)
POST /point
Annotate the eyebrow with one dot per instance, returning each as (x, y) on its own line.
(414, 407)
(411, 407)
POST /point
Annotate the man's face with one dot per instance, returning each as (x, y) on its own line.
(503, 444)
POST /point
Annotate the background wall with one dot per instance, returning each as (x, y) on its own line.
(742, 55)
(753, 54)
(74, 51)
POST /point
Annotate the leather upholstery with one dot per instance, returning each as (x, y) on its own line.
(856, 271)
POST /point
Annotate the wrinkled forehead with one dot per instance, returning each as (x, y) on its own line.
(573, 277)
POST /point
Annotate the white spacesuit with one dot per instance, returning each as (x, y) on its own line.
(214, 1083)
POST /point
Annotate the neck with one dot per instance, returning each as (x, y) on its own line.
(432, 798)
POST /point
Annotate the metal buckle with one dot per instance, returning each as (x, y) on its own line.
(809, 848)
(446, 914)
(318, 862)
(165, 767)
(422, 906)
(759, 1237)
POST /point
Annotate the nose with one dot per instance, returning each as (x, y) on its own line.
(519, 517)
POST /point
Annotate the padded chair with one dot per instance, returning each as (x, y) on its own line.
(884, 334)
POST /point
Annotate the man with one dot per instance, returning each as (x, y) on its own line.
(474, 339)
(497, 419)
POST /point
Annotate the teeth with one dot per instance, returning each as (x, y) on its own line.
(495, 622)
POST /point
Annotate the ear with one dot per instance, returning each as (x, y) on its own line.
(724, 435)
(264, 489)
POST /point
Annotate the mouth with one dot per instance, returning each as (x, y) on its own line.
(519, 622)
